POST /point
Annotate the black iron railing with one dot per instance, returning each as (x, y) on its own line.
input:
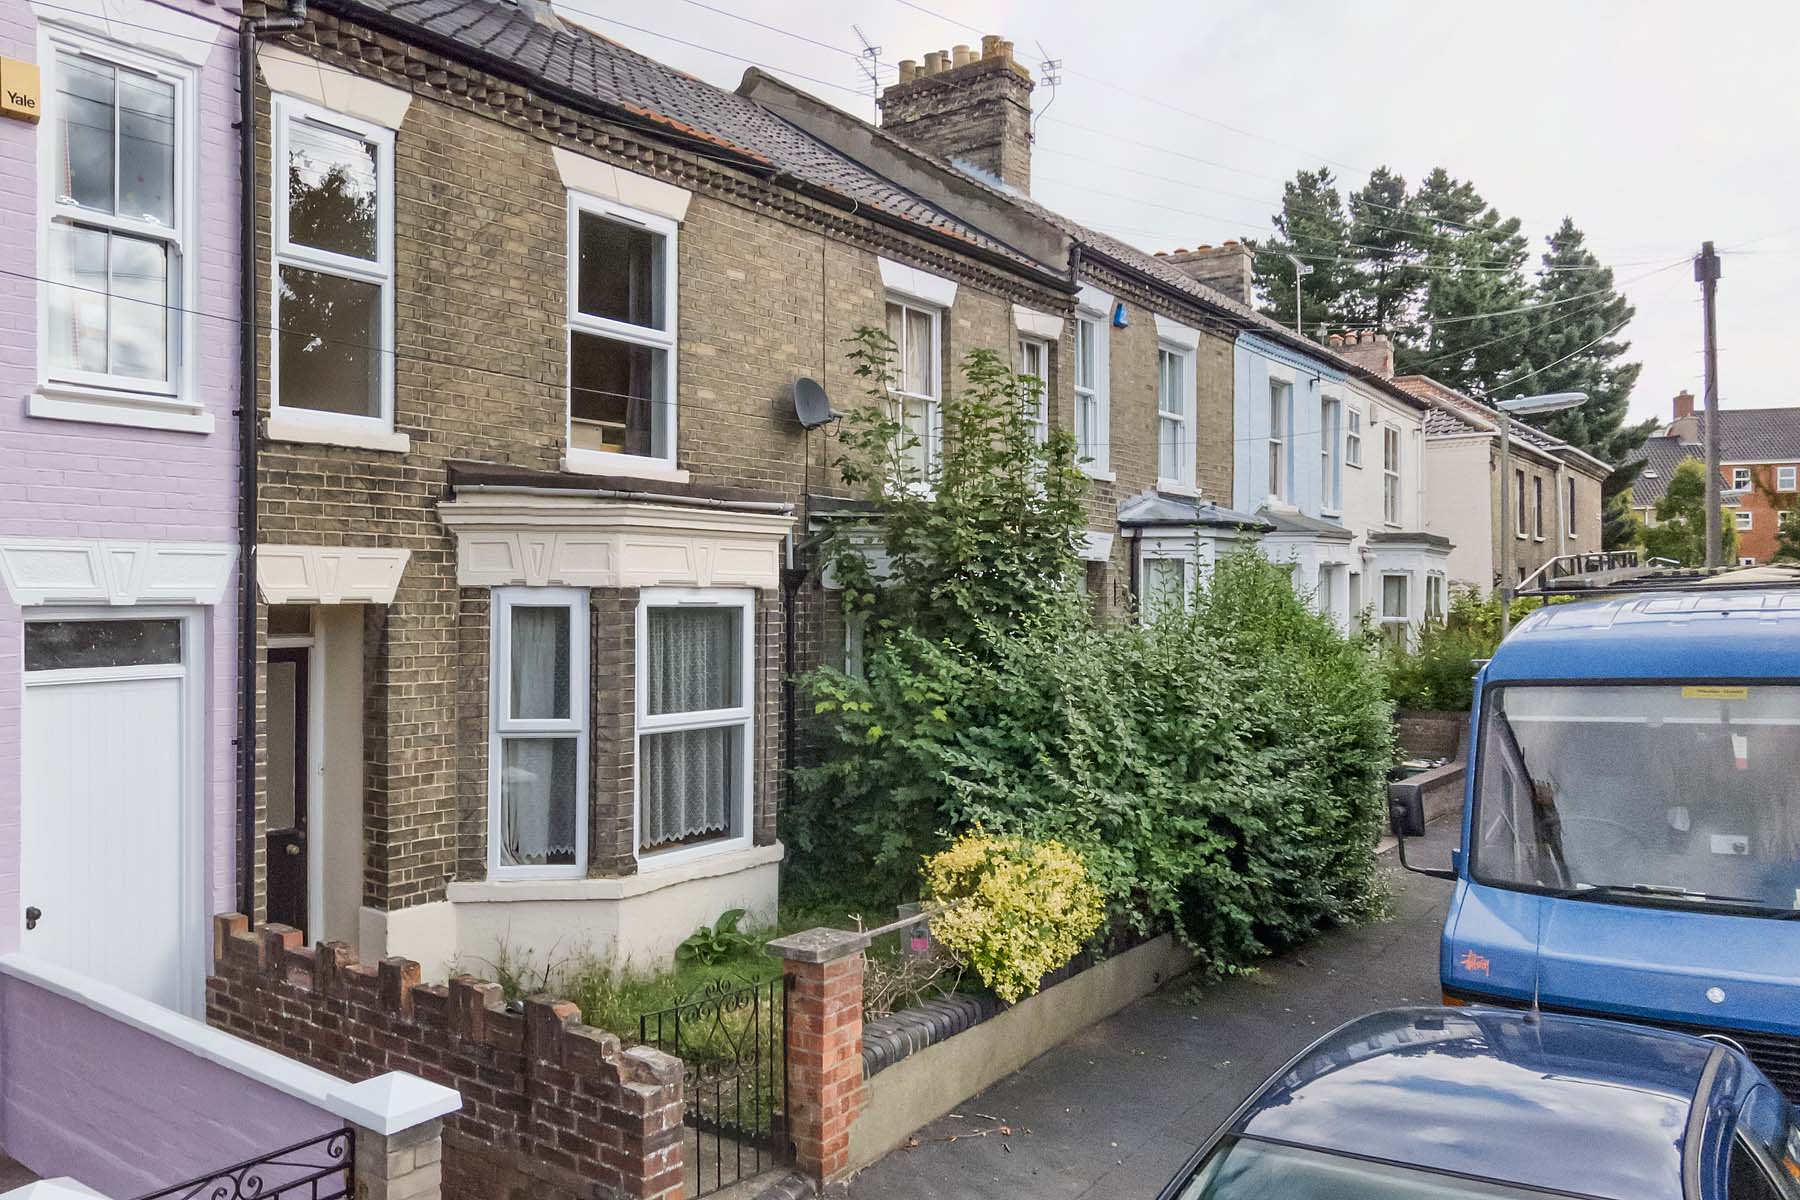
(321, 1168)
(731, 1038)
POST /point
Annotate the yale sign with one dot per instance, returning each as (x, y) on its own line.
(19, 90)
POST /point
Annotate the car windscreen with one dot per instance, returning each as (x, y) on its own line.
(1668, 793)
(1248, 1169)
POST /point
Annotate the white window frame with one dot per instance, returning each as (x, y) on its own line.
(934, 399)
(1390, 624)
(1280, 412)
(502, 726)
(1744, 519)
(1393, 503)
(1353, 435)
(1185, 468)
(613, 462)
(1094, 455)
(1746, 560)
(1434, 596)
(1331, 453)
(285, 110)
(743, 715)
(1146, 598)
(1787, 479)
(103, 397)
(1027, 347)
(1740, 479)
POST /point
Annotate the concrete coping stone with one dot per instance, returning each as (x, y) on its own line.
(819, 945)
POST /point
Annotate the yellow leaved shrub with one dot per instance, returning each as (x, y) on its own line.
(1015, 910)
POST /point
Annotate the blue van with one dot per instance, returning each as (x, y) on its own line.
(1631, 819)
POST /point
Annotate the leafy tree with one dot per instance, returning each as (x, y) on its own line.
(1787, 537)
(1680, 530)
(1312, 225)
(1470, 333)
(1389, 240)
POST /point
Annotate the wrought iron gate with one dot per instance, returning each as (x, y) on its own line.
(731, 1039)
(321, 1168)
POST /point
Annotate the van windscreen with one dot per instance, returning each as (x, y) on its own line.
(1666, 793)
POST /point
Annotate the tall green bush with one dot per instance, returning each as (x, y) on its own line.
(1220, 772)
(1438, 670)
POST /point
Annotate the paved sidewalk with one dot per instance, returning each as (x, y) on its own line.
(1111, 1113)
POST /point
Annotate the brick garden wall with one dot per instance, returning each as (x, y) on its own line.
(552, 1109)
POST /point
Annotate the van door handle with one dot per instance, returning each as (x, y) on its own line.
(32, 915)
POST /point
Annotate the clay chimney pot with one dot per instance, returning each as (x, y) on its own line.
(990, 46)
(962, 55)
(934, 62)
(1336, 339)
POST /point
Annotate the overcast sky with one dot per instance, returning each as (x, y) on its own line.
(1655, 125)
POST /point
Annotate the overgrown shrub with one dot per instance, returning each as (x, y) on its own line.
(1438, 672)
(1016, 910)
(1220, 772)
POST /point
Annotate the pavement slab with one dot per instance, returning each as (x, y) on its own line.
(1115, 1110)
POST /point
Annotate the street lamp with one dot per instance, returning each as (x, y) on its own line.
(1301, 271)
(1522, 406)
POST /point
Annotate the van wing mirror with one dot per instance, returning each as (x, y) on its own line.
(1406, 809)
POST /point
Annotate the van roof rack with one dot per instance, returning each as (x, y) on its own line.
(1611, 572)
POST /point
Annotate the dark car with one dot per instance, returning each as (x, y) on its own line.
(1465, 1103)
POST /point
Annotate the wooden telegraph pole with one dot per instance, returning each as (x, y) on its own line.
(1706, 272)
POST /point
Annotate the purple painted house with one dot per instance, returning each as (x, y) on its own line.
(119, 478)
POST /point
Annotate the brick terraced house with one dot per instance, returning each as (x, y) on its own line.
(1759, 469)
(1556, 500)
(531, 477)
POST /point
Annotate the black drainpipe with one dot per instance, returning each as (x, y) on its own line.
(252, 31)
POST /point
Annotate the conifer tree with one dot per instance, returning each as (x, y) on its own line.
(1311, 225)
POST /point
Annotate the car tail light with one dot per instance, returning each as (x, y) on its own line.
(1452, 1002)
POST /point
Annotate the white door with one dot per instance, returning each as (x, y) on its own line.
(105, 825)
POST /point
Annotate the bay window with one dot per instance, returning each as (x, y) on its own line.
(1165, 587)
(538, 753)
(1174, 417)
(695, 696)
(1395, 607)
(621, 289)
(334, 269)
(914, 383)
(117, 210)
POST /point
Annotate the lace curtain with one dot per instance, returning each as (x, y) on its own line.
(539, 773)
(688, 779)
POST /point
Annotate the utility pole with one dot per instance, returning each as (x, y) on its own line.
(1706, 273)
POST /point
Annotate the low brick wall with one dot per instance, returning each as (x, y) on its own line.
(1429, 733)
(552, 1109)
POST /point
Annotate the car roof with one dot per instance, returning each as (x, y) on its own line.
(1567, 1103)
(1750, 634)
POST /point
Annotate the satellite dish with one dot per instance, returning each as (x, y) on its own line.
(811, 405)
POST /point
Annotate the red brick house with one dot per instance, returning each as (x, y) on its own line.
(1759, 469)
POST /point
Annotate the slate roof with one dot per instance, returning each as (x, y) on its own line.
(1660, 455)
(1154, 508)
(1755, 435)
(1293, 522)
(1454, 414)
(583, 68)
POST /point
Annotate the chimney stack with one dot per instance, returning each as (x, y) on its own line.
(967, 106)
(1224, 268)
(1684, 404)
(1370, 351)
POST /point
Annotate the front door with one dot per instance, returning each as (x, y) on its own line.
(108, 877)
(286, 787)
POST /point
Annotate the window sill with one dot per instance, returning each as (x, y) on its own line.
(282, 427)
(1100, 474)
(653, 875)
(1170, 487)
(98, 406)
(604, 462)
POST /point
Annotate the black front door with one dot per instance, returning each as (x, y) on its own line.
(287, 784)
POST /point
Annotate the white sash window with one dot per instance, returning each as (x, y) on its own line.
(538, 756)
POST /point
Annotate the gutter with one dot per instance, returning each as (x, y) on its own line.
(252, 33)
